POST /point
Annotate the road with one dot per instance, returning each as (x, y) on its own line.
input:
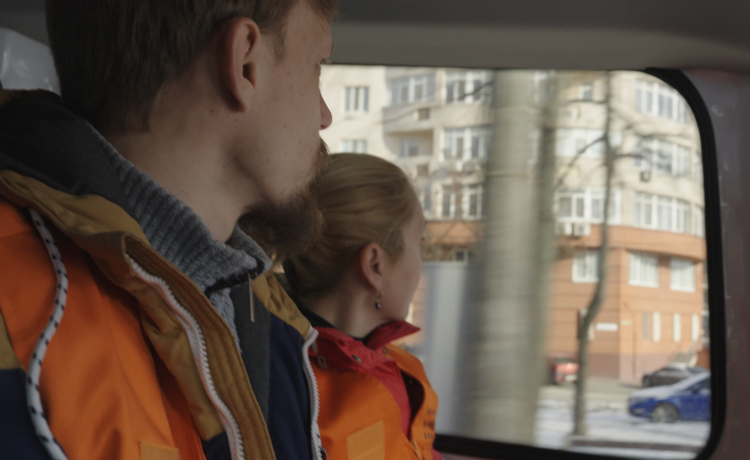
(611, 430)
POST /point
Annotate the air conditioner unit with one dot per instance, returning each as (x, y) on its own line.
(646, 175)
(564, 228)
(581, 229)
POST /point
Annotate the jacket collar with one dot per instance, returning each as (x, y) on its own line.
(41, 139)
(355, 353)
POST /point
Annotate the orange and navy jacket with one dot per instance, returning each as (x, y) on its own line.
(141, 365)
(376, 401)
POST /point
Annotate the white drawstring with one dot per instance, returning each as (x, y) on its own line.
(33, 398)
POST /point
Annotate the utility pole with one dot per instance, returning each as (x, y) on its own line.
(504, 367)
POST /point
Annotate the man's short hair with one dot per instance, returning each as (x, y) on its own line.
(113, 56)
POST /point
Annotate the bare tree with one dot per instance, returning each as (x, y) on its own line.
(579, 411)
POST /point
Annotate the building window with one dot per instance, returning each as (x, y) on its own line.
(662, 213)
(682, 275)
(409, 148)
(664, 152)
(448, 209)
(660, 100)
(589, 143)
(356, 99)
(585, 264)
(676, 327)
(644, 270)
(699, 226)
(461, 255)
(472, 201)
(682, 221)
(354, 146)
(644, 326)
(466, 143)
(682, 160)
(587, 91)
(644, 212)
(425, 199)
(656, 327)
(423, 114)
(586, 205)
(468, 86)
(665, 157)
(423, 170)
(644, 96)
(420, 88)
(541, 85)
(698, 168)
(695, 328)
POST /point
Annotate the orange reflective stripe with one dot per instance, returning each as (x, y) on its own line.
(156, 452)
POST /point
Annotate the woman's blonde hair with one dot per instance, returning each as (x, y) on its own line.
(364, 199)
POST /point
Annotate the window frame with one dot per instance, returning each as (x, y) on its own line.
(676, 327)
(676, 266)
(467, 134)
(586, 196)
(498, 450)
(462, 83)
(467, 192)
(656, 327)
(660, 100)
(643, 202)
(635, 272)
(588, 256)
(357, 145)
(410, 83)
(361, 95)
(406, 145)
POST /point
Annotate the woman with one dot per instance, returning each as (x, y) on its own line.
(355, 286)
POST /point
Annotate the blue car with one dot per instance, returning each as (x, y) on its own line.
(688, 399)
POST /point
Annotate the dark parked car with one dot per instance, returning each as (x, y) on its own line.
(669, 374)
(688, 399)
(562, 369)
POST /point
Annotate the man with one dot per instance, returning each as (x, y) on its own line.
(126, 321)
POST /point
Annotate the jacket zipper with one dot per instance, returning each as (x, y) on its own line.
(317, 444)
(198, 347)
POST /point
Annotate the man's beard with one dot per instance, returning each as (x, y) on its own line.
(288, 228)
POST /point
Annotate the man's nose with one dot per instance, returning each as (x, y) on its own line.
(325, 114)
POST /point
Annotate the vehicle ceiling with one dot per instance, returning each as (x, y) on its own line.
(573, 34)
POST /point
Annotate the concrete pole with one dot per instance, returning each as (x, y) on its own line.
(502, 356)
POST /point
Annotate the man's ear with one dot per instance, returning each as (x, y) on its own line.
(239, 50)
(371, 265)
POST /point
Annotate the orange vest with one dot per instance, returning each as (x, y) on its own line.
(359, 418)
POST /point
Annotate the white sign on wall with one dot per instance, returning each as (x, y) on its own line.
(607, 327)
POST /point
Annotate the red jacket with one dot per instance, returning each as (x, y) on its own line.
(376, 400)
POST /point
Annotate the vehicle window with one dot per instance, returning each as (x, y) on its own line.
(564, 276)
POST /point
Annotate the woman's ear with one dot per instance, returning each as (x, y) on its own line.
(239, 52)
(371, 265)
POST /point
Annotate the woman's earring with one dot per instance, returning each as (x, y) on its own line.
(377, 303)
